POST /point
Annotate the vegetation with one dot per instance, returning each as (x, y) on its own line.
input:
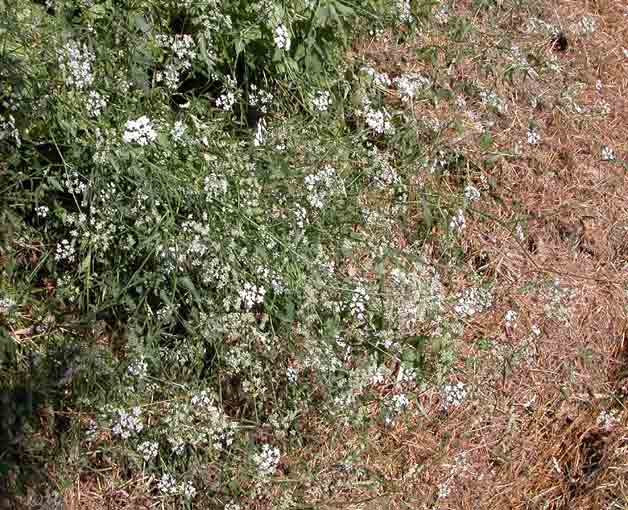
(279, 255)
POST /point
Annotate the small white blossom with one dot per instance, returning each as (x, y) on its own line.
(178, 131)
(6, 304)
(359, 300)
(458, 221)
(471, 193)
(65, 251)
(510, 317)
(8, 131)
(251, 295)
(128, 424)
(404, 11)
(95, 103)
(321, 101)
(187, 489)
(533, 137)
(167, 485)
(453, 395)
(282, 37)
(607, 419)
(472, 301)
(42, 211)
(608, 154)
(148, 450)
(139, 131)
(138, 368)
(267, 460)
(226, 101)
(76, 64)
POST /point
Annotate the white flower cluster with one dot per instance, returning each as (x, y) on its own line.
(490, 98)
(319, 185)
(168, 486)
(533, 136)
(453, 395)
(148, 450)
(251, 295)
(396, 405)
(76, 63)
(128, 424)
(471, 193)
(65, 251)
(412, 297)
(458, 222)
(260, 98)
(226, 101)
(404, 11)
(139, 131)
(359, 300)
(608, 419)
(8, 131)
(138, 368)
(182, 48)
(321, 101)
(410, 84)
(267, 460)
(232, 506)
(472, 301)
(178, 131)
(380, 80)
(378, 121)
(442, 15)
(282, 37)
(608, 154)
(6, 304)
(95, 103)
(215, 186)
(510, 318)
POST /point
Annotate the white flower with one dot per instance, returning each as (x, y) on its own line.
(321, 101)
(359, 300)
(282, 37)
(177, 131)
(533, 136)
(167, 485)
(187, 489)
(510, 317)
(6, 304)
(128, 424)
(536, 330)
(76, 63)
(138, 368)
(95, 103)
(42, 211)
(148, 450)
(139, 131)
(410, 84)
(453, 395)
(404, 11)
(458, 221)
(471, 193)
(251, 295)
(608, 154)
(8, 130)
(226, 101)
(267, 460)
